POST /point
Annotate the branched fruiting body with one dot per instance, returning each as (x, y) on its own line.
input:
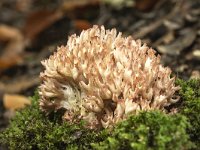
(102, 77)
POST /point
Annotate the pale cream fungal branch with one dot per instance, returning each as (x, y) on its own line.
(102, 77)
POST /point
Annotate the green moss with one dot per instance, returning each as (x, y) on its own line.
(31, 129)
(190, 96)
(148, 130)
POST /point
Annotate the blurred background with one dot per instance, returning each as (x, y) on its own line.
(30, 31)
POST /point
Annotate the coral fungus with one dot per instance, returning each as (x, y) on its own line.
(102, 77)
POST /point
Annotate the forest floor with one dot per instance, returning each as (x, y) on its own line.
(30, 31)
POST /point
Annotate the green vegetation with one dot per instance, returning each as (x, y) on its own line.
(190, 107)
(31, 129)
(148, 130)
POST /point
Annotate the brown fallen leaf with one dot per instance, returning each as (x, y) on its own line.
(8, 33)
(9, 61)
(11, 54)
(14, 101)
(145, 5)
(39, 21)
(71, 5)
(82, 24)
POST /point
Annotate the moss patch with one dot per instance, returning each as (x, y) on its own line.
(31, 129)
(190, 96)
(149, 130)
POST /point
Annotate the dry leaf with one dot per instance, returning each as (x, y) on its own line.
(10, 61)
(39, 21)
(82, 24)
(8, 33)
(145, 5)
(71, 5)
(11, 54)
(14, 101)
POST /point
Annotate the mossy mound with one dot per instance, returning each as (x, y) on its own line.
(148, 130)
(31, 129)
(190, 107)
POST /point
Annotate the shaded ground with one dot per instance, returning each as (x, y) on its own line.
(31, 30)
